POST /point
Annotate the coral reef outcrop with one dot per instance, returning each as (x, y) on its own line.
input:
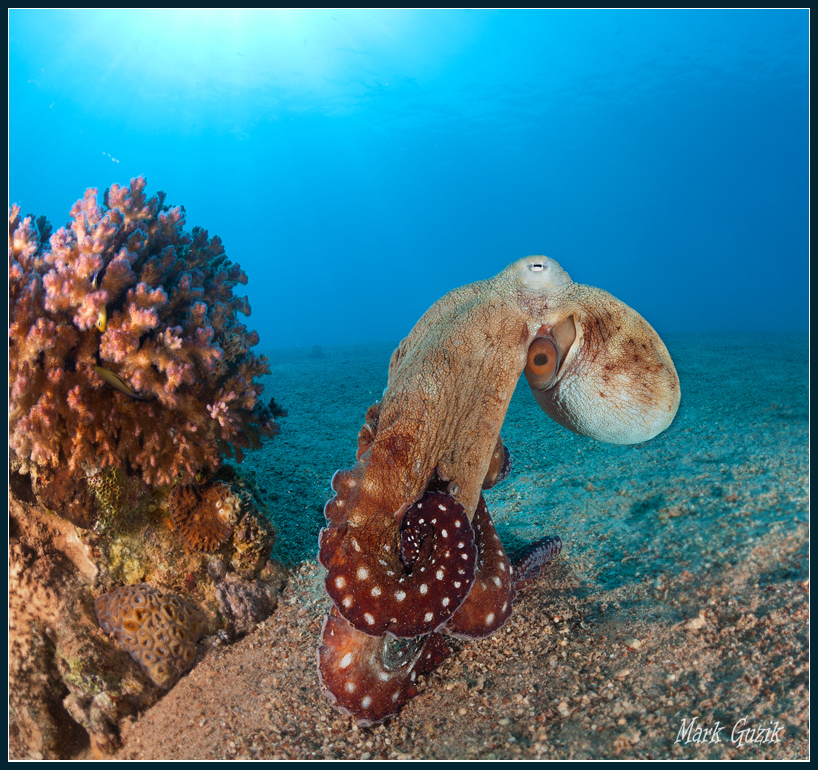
(76, 669)
(131, 379)
(125, 344)
(244, 604)
(68, 685)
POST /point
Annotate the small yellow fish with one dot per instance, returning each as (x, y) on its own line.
(102, 318)
(118, 383)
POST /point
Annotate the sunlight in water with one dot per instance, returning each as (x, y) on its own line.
(328, 54)
(287, 47)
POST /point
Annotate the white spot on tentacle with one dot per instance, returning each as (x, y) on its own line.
(346, 660)
(362, 573)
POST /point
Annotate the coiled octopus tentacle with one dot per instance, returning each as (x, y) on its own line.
(405, 586)
(488, 606)
(370, 677)
(530, 561)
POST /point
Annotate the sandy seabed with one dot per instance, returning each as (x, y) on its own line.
(680, 602)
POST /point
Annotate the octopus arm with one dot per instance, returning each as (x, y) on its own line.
(371, 677)
(409, 587)
(530, 561)
(488, 605)
(499, 465)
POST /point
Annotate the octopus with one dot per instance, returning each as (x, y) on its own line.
(411, 553)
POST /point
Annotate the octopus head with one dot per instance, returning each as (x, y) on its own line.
(594, 365)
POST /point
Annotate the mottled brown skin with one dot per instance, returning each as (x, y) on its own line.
(593, 364)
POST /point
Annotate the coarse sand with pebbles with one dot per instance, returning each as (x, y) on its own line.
(679, 605)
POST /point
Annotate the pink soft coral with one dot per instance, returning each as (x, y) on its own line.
(172, 335)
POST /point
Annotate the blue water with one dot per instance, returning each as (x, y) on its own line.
(359, 164)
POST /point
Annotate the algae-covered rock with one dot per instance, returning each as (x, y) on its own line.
(68, 685)
(71, 683)
(244, 604)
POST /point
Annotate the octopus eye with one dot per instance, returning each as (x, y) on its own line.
(543, 362)
(536, 267)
